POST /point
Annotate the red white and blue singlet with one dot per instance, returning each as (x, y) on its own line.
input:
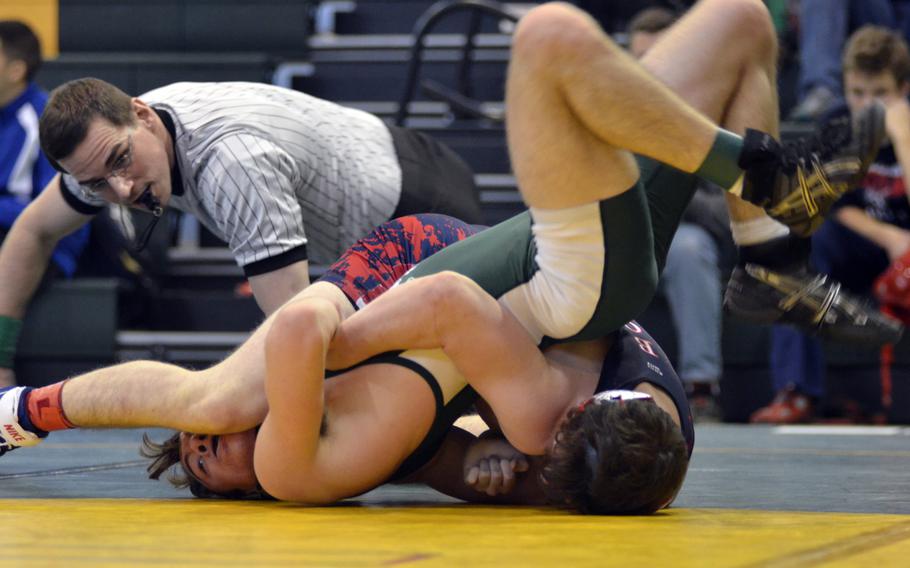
(374, 263)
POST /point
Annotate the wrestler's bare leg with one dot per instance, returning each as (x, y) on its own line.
(228, 397)
(729, 73)
(578, 106)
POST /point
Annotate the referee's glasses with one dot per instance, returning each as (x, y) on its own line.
(118, 170)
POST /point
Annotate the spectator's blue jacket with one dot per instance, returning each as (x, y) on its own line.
(24, 170)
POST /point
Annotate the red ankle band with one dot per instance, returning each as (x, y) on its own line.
(45, 408)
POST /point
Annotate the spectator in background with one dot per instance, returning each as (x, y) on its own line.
(869, 227)
(24, 170)
(691, 281)
(823, 29)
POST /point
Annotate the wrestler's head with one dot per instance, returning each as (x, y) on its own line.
(616, 454)
(213, 466)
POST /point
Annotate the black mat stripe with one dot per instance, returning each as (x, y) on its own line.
(80, 469)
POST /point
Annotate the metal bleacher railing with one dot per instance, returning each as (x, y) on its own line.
(460, 99)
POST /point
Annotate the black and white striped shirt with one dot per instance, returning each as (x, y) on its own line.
(260, 163)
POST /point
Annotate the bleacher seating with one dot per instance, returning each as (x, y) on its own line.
(396, 17)
(141, 72)
(70, 328)
(179, 26)
(340, 75)
(139, 45)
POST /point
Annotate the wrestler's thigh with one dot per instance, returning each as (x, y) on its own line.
(558, 159)
(698, 58)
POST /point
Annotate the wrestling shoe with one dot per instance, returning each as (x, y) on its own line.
(797, 182)
(703, 401)
(15, 428)
(812, 302)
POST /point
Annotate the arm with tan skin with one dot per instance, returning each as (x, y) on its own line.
(289, 440)
(27, 250)
(890, 237)
(484, 341)
(273, 289)
(228, 397)
(897, 125)
(374, 418)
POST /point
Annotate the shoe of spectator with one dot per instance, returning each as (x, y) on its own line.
(796, 183)
(705, 409)
(817, 102)
(15, 433)
(812, 302)
(788, 407)
(703, 404)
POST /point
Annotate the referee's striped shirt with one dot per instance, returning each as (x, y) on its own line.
(275, 173)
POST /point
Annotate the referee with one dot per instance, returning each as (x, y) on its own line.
(280, 176)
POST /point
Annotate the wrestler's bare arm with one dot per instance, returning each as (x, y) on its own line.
(289, 439)
(372, 420)
(485, 342)
(405, 317)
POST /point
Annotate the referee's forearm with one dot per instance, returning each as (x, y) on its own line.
(23, 260)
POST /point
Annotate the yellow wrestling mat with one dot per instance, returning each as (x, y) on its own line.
(109, 532)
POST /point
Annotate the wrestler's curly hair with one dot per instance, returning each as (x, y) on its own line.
(166, 454)
(617, 458)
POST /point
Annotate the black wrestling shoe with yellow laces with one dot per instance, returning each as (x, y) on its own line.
(797, 182)
(812, 302)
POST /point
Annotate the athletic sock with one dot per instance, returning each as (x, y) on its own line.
(45, 408)
(721, 165)
(758, 230)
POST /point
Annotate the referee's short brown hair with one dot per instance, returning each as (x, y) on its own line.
(70, 111)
